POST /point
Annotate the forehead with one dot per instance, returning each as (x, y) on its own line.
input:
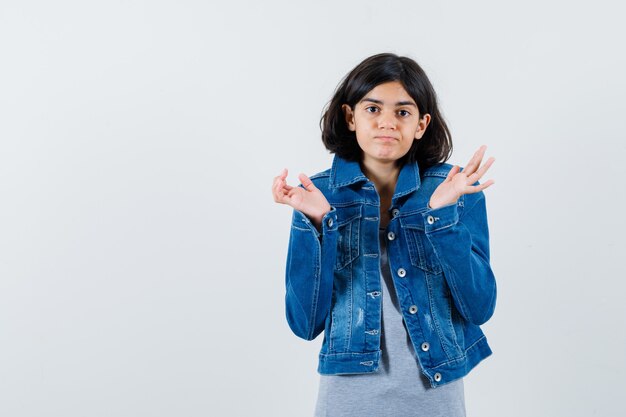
(392, 93)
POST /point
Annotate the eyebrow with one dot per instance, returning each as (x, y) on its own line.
(399, 103)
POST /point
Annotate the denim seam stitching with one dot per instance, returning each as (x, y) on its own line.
(316, 288)
(350, 310)
(453, 286)
(434, 316)
(460, 358)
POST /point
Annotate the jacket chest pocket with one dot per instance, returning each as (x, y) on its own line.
(348, 233)
(421, 251)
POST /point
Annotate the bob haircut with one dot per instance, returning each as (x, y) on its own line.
(434, 147)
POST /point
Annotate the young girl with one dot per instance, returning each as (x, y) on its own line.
(389, 251)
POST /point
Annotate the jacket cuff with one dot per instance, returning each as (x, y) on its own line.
(441, 217)
(329, 222)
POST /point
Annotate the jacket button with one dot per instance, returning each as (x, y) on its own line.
(425, 346)
(437, 377)
(330, 222)
(430, 219)
(413, 310)
(401, 272)
(395, 212)
(391, 235)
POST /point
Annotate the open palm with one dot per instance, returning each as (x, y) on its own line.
(309, 200)
(460, 182)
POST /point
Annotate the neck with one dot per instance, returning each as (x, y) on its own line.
(384, 175)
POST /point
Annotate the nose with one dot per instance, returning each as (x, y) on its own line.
(386, 120)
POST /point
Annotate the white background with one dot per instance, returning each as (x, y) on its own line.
(142, 256)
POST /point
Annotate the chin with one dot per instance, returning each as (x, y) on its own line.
(386, 158)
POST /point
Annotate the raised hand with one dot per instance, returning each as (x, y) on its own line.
(460, 182)
(309, 200)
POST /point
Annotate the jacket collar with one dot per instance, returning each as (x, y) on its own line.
(344, 173)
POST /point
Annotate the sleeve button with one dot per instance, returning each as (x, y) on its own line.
(437, 377)
(430, 219)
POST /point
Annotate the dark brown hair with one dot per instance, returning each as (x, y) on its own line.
(436, 144)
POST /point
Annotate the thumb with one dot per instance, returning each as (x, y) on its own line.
(306, 182)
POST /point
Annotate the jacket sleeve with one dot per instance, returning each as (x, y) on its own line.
(309, 273)
(462, 246)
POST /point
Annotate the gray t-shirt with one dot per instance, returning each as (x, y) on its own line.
(398, 387)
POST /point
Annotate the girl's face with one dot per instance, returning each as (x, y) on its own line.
(386, 122)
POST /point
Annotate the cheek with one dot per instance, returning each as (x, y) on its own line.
(363, 128)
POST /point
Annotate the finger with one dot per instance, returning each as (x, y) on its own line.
(279, 190)
(475, 160)
(284, 192)
(478, 188)
(278, 180)
(471, 179)
(283, 196)
(277, 194)
(306, 182)
(481, 171)
(283, 174)
(452, 173)
(277, 185)
(485, 184)
(468, 167)
(280, 199)
(274, 186)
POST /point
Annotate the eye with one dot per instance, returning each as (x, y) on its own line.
(404, 113)
(371, 109)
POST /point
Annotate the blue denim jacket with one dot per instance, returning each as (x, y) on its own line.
(439, 259)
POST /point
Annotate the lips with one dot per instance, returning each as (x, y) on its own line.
(386, 138)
